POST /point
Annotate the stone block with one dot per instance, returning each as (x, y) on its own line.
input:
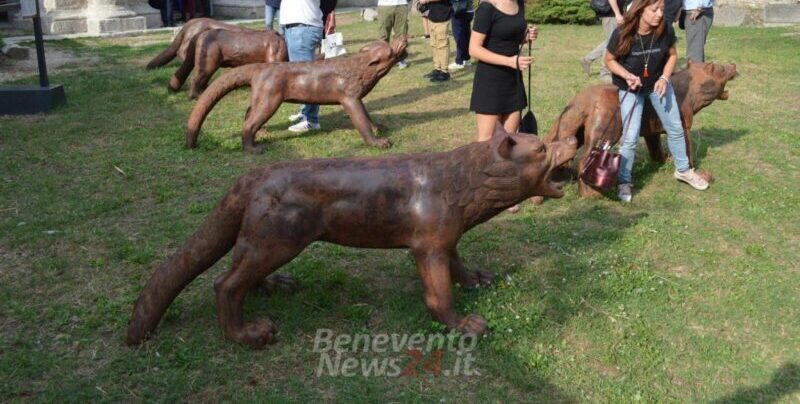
(67, 26)
(122, 24)
(69, 4)
(732, 16)
(17, 52)
(244, 12)
(782, 14)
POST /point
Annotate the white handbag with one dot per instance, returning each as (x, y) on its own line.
(333, 45)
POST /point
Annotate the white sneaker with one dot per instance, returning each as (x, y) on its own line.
(456, 66)
(692, 178)
(402, 64)
(298, 117)
(625, 192)
(303, 126)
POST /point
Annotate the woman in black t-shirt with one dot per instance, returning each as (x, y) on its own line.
(497, 91)
(641, 55)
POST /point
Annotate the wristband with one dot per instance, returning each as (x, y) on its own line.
(664, 78)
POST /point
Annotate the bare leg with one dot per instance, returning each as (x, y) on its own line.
(432, 265)
(358, 114)
(465, 278)
(485, 124)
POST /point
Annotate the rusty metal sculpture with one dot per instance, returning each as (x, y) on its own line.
(181, 41)
(423, 202)
(593, 115)
(217, 48)
(342, 81)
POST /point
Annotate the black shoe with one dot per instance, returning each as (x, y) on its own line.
(431, 74)
(440, 76)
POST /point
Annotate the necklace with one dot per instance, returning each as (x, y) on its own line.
(647, 54)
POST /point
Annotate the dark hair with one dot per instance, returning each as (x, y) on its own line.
(627, 31)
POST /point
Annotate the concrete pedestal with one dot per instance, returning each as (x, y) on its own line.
(29, 100)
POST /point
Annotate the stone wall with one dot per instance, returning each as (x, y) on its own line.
(756, 12)
(104, 16)
(94, 16)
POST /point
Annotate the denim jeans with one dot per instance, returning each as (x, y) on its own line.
(668, 112)
(166, 13)
(461, 33)
(302, 41)
(270, 13)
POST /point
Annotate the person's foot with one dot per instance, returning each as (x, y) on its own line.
(303, 126)
(426, 36)
(402, 64)
(456, 66)
(431, 74)
(440, 77)
(692, 178)
(587, 66)
(297, 117)
(625, 192)
(513, 209)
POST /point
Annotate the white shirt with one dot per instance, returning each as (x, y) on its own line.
(301, 12)
(392, 2)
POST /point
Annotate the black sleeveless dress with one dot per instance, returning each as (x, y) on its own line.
(497, 89)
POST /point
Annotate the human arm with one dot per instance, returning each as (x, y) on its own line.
(672, 59)
(479, 51)
(617, 12)
(614, 66)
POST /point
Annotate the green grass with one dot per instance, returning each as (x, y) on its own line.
(681, 296)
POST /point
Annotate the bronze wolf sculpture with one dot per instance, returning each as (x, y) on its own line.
(424, 202)
(210, 50)
(342, 81)
(593, 115)
(181, 41)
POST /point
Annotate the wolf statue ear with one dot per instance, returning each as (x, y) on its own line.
(506, 146)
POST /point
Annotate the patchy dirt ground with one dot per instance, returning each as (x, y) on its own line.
(57, 61)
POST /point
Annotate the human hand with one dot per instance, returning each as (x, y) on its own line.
(532, 33)
(620, 19)
(521, 62)
(634, 82)
(694, 14)
(661, 86)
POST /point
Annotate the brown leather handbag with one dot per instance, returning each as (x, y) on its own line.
(602, 165)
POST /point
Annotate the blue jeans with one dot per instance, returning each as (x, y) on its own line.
(668, 112)
(461, 33)
(166, 13)
(302, 41)
(269, 15)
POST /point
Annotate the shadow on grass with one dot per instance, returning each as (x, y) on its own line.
(707, 137)
(331, 121)
(785, 381)
(415, 95)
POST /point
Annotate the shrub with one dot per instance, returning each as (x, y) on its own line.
(560, 12)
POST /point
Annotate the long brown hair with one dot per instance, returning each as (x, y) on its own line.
(629, 27)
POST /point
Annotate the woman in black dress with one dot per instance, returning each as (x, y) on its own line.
(497, 90)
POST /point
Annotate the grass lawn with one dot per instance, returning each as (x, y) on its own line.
(681, 296)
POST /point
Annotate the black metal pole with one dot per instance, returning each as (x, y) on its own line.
(37, 33)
